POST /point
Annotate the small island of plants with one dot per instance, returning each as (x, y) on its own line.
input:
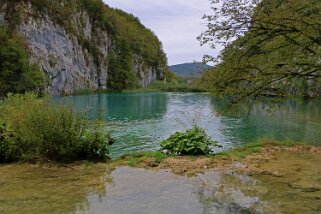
(194, 141)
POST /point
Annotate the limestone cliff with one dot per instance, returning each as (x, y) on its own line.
(75, 55)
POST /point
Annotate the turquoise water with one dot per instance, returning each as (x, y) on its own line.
(139, 121)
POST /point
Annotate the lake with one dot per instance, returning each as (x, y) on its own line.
(139, 121)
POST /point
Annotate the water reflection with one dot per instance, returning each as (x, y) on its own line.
(293, 120)
(147, 191)
(124, 106)
(27, 189)
(182, 111)
(294, 189)
(140, 121)
(288, 183)
(228, 193)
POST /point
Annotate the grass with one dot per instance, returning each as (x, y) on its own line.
(90, 92)
(191, 165)
(142, 158)
(160, 86)
(180, 85)
(255, 147)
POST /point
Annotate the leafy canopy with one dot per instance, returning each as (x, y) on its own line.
(271, 47)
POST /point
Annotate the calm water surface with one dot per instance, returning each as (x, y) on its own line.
(139, 121)
(31, 189)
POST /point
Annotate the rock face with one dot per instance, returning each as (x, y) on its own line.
(69, 66)
(146, 74)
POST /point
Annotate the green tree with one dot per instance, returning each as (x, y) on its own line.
(121, 75)
(271, 47)
(16, 74)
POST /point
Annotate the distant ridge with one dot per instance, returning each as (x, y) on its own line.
(194, 69)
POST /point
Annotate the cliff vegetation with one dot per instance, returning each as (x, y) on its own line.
(16, 73)
(117, 51)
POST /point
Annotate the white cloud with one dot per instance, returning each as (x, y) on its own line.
(177, 23)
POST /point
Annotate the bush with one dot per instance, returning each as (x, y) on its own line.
(8, 148)
(35, 129)
(192, 142)
(17, 75)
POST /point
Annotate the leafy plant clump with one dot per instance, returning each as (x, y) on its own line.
(33, 129)
(192, 142)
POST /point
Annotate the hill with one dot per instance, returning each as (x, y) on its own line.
(189, 69)
(77, 45)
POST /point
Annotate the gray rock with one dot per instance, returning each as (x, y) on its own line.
(68, 65)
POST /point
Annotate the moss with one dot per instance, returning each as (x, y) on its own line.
(14, 15)
(49, 188)
(154, 159)
(248, 155)
(142, 159)
(255, 147)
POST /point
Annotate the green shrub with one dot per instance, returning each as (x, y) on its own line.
(120, 63)
(17, 75)
(35, 129)
(8, 148)
(192, 142)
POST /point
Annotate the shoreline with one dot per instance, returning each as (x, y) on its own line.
(268, 176)
(244, 159)
(241, 160)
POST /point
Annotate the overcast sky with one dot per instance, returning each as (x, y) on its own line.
(177, 23)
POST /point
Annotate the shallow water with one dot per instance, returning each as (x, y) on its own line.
(139, 121)
(32, 189)
(295, 189)
(160, 192)
(291, 184)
